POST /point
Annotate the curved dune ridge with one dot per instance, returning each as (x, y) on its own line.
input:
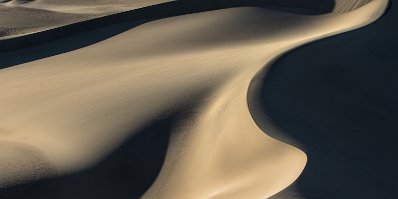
(19, 17)
(345, 6)
(161, 105)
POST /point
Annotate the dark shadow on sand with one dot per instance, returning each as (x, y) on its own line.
(338, 99)
(125, 174)
(131, 169)
(56, 41)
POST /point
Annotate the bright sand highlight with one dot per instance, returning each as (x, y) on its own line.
(65, 113)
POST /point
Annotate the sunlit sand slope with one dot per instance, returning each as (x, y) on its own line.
(20, 17)
(28, 16)
(66, 113)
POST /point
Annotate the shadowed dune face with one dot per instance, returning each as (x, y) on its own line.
(340, 104)
(126, 173)
(21, 163)
(96, 110)
(158, 11)
(17, 18)
(342, 6)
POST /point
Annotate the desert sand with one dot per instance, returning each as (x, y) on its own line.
(67, 112)
(20, 17)
(345, 101)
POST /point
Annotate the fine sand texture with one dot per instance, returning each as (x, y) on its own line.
(154, 107)
(19, 17)
(346, 102)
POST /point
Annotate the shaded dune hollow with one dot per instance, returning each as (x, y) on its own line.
(156, 102)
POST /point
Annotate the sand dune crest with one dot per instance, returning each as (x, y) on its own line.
(76, 108)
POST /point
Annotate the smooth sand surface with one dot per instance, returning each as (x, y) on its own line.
(67, 113)
(18, 17)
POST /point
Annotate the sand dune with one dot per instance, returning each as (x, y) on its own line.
(342, 6)
(19, 17)
(65, 114)
(20, 30)
(345, 102)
